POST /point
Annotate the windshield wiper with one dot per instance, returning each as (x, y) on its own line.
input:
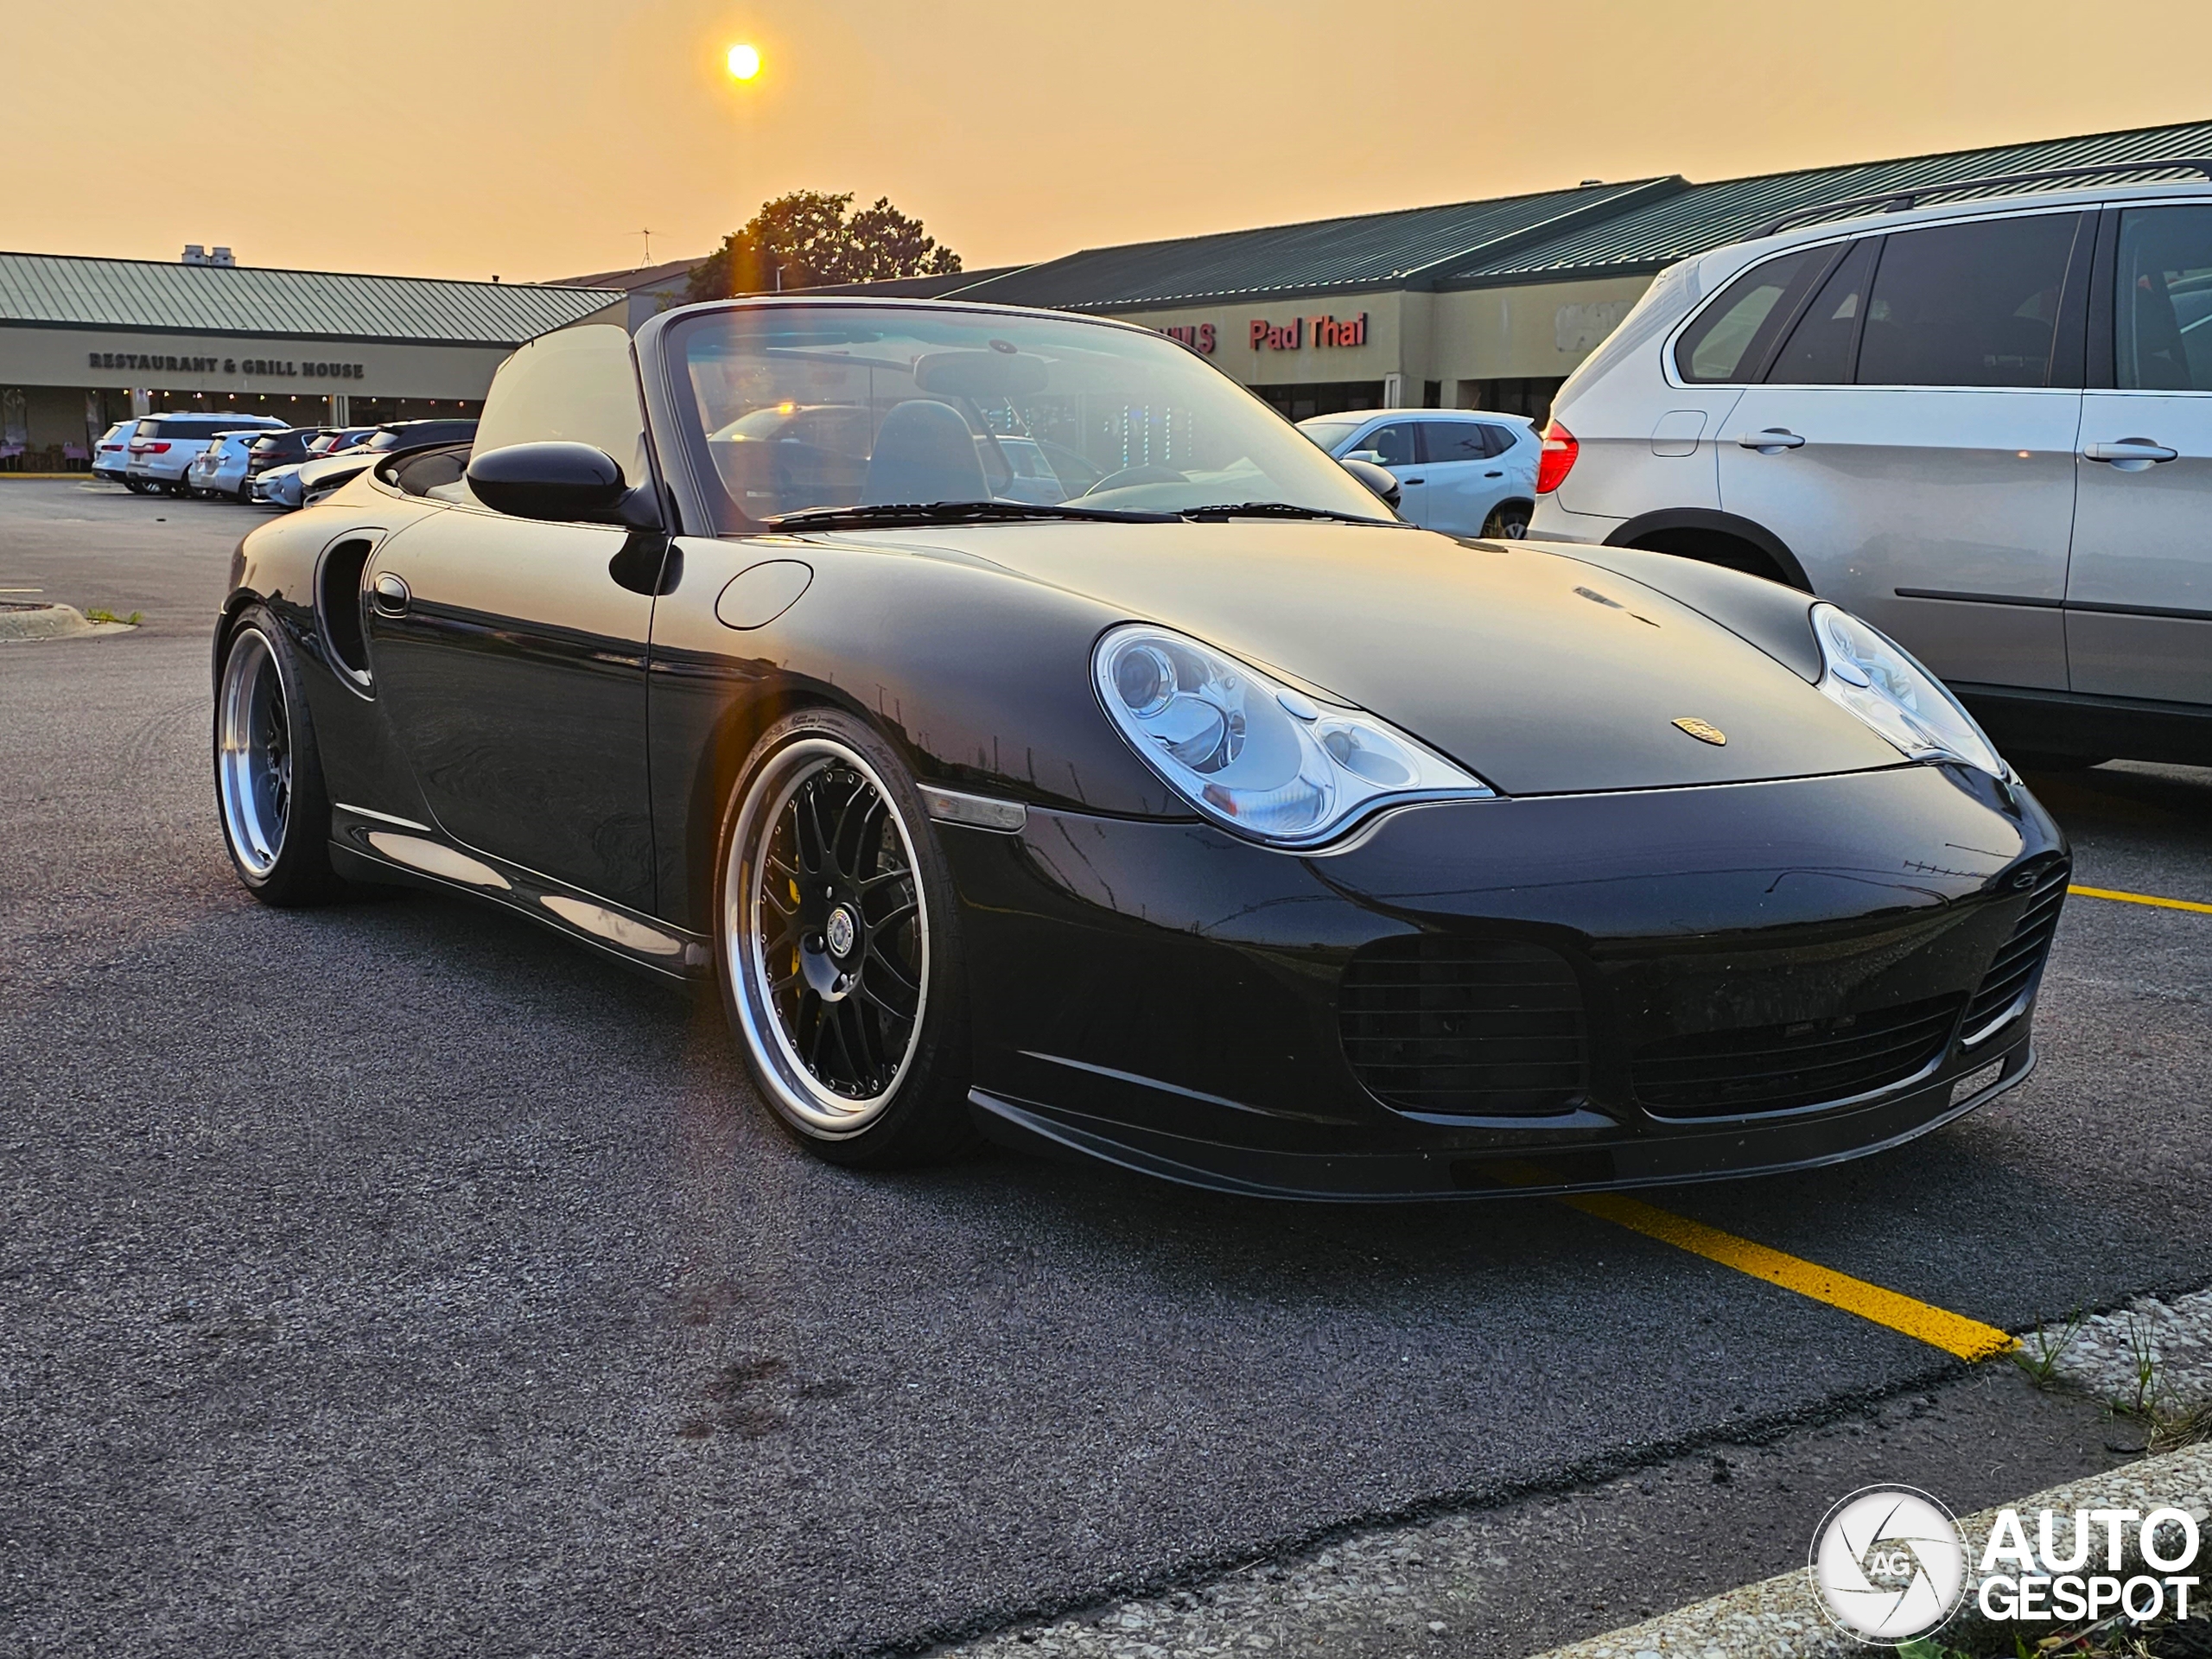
(1273, 510)
(951, 512)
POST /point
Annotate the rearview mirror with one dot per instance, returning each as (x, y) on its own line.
(565, 482)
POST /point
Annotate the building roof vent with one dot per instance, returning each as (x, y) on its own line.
(222, 256)
(194, 254)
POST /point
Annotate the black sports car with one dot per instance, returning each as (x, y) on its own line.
(1031, 732)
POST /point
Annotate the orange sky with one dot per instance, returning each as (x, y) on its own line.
(533, 138)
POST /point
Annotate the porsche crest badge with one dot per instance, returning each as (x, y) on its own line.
(1704, 730)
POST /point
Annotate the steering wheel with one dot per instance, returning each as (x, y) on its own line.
(1145, 473)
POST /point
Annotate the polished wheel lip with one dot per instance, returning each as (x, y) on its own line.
(822, 1111)
(253, 753)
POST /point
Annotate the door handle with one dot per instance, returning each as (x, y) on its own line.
(1771, 440)
(2130, 454)
(1413, 480)
(390, 596)
(1493, 474)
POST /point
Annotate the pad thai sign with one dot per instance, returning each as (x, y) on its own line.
(1323, 333)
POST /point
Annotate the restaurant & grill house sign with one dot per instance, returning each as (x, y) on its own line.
(270, 368)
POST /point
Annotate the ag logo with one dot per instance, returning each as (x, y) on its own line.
(1888, 1564)
(1704, 730)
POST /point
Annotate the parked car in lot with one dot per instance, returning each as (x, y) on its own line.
(220, 468)
(282, 448)
(301, 482)
(1986, 426)
(1460, 471)
(164, 446)
(112, 452)
(1208, 820)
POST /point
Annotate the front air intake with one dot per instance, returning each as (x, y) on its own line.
(1755, 1069)
(1464, 1027)
(2014, 970)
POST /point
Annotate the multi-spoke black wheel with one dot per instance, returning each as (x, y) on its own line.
(268, 776)
(836, 925)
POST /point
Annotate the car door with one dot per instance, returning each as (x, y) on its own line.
(1395, 446)
(1911, 439)
(509, 653)
(2139, 592)
(1465, 476)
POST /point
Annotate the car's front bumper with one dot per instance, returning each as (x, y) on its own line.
(1168, 997)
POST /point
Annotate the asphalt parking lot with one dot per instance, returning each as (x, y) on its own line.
(397, 1278)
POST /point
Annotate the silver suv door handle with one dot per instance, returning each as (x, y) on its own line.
(2141, 451)
(1774, 438)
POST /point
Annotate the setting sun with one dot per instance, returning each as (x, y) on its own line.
(744, 62)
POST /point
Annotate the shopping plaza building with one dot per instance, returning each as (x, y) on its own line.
(1485, 304)
(84, 342)
(1480, 304)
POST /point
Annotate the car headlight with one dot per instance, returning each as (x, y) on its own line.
(1873, 676)
(1252, 753)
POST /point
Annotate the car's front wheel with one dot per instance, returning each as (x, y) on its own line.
(838, 943)
(269, 786)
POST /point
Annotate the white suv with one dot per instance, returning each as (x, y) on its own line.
(164, 446)
(1461, 471)
(1985, 426)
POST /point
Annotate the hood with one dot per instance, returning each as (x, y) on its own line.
(1540, 673)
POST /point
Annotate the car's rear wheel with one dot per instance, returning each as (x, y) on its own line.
(1508, 521)
(838, 948)
(269, 786)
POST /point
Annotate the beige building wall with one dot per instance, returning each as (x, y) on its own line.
(1541, 332)
(1383, 353)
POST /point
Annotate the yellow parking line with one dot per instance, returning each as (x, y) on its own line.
(2142, 899)
(1969, 1339)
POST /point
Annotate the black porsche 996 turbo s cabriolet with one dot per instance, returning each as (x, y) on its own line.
(1029, 731)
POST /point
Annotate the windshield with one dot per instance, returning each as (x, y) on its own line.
(810, 406)
(1328, 433)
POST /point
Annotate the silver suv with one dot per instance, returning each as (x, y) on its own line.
(1985, 426)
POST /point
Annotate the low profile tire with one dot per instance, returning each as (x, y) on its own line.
(269, 787)
(1509, 523)
(838, 945)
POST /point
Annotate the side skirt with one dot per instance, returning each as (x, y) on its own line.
(377, 847)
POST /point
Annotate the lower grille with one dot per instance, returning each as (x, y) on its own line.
(1469, 1027)
(1776, 1068)
(2022, 957)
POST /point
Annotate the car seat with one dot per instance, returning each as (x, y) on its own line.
(924, 452)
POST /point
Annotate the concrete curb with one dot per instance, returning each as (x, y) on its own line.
(1780, 1618)
(52, 622)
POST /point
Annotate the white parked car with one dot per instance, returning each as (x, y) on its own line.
(1985, 426)
(220, 468)
(112, 452)
(165, 446)
(1461, 471)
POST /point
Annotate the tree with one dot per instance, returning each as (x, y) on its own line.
(809, 238)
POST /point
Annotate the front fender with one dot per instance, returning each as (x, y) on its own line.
(981, 678)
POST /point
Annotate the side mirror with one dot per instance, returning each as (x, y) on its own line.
(1377, 479)
(1370, 457)
(565, 482)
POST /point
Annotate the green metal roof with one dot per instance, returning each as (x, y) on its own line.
(59, 290)
(1651, 237)
(1370, 250)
